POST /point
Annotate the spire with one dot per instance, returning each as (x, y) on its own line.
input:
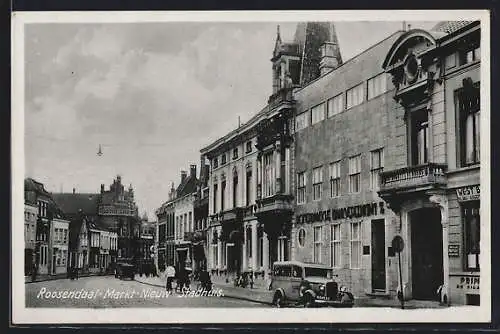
(278, 36)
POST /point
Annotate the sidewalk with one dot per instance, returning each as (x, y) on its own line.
(45, 277)
(229, 290)
(260, 295)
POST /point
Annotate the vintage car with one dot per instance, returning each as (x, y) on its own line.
(307, 285)
(124, 269)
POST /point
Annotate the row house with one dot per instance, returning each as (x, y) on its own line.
(46, 232)
(177, 215)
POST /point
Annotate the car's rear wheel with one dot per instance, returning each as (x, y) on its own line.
(278, 299)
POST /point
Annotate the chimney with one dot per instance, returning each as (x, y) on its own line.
(192, 171)
(329, 57)
(183, 175)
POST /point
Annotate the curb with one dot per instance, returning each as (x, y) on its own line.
(60, 278)
(231, 296)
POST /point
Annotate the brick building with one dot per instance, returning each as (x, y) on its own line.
(343, 129)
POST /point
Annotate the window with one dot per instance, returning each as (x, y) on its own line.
(318, 242)
(355, 96)
(317, 183)
(335, 105)
(223, 159)
(469, 123)
(222, 195)
(269, 175)
(302, 121)
(355, 174)
(376, 167)
(471, 218)
(235, 153)
(355, 245)
(190, 221)
(335, 179)
(335, 247)
(377, 85)
(249, 146)
(215, 163)
(215, 197)
(65, 237)
(301, 237)
(235, 190)
(318, 113)
(249, 187)
(420, 137)
(301, 187)
(470, 55)
(282, 249)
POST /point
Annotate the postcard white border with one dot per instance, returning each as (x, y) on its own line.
(23, 315)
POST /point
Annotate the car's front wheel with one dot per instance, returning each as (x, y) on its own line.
(308, 300)
(278, 299)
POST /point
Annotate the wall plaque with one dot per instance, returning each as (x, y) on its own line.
(469, 193)
(453, 250)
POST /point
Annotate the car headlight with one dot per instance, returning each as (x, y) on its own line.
(343, 289)
(322, 287)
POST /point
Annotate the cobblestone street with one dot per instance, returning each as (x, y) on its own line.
(107, 291)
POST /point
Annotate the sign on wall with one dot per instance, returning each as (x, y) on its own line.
(357, 211)
(468, 193)
(453, 250)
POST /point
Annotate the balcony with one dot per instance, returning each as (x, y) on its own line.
(233, 214)
(412, 179)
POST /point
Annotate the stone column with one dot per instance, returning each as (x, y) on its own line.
(219, 253)
(255, 243)
(265, 254)
(244, 250)
(442, 201)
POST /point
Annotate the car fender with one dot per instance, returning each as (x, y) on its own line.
(309, 291)
(281, 291)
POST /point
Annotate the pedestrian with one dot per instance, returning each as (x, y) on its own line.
(170, 274)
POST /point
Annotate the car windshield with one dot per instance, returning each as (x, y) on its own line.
(318, 272)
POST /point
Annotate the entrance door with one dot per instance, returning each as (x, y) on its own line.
(378, 255)
(426, 253)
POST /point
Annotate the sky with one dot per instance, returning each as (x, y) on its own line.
(151, 94)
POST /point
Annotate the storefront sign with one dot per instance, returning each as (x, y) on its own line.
(468, 283)
(469, 193)
(453, 250)
(357, 211)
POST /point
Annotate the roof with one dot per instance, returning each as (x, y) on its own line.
(187, 187)
(450, 26)
(71, 203)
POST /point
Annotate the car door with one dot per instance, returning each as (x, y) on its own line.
(295, 281)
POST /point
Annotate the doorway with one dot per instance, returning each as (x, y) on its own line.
(378, 255)
(426, 253)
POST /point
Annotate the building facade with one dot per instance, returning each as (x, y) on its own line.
(30, 218)
(433, 183)
(343, 131)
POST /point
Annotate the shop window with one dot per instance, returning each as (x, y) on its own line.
(335, 105)
(355, 245)
(469, 123)
(335, 179)
(318, 113)
(471, 219)
(317, 183)
(318, 243)
(301, 188)
(302, 121)
(355, 174)
(419, 137)
(335, 246)
(376, 167)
